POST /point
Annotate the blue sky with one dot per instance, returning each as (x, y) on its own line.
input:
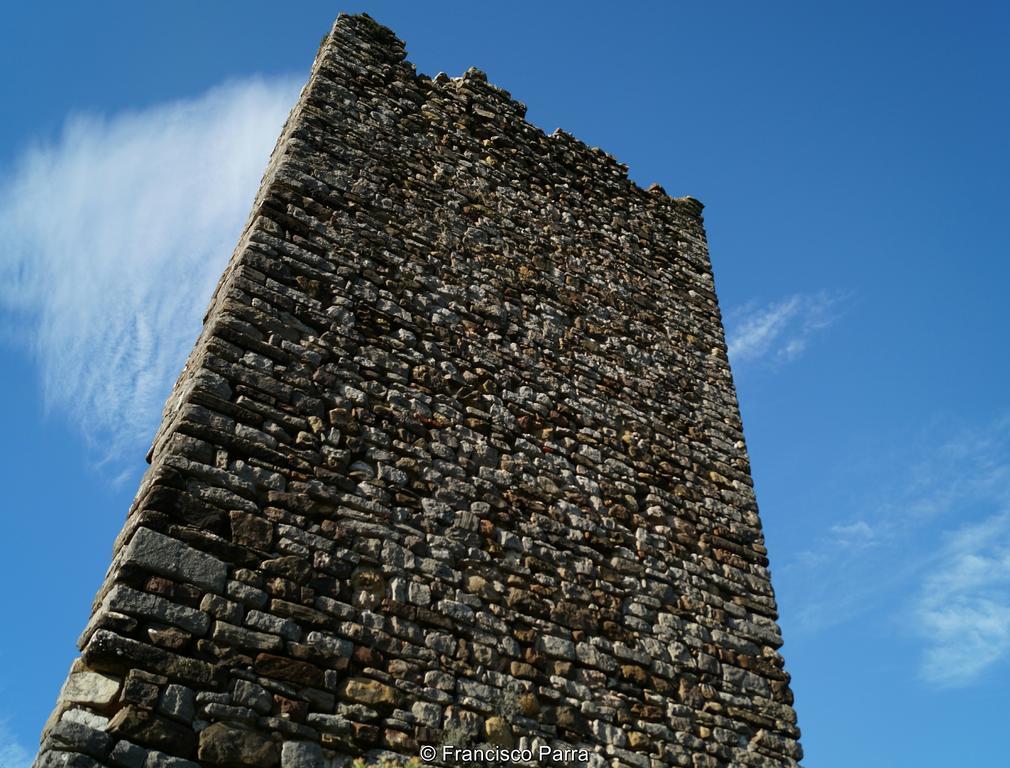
(854, 161)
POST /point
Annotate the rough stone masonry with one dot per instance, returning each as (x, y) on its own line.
(456, 460)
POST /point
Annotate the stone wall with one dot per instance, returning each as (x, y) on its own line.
(456, 459)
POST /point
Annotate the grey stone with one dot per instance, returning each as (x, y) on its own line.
(152, 607)
(172, 558)
(240, 637)
(82, 738)
(226, 745)
(178, 702)
(301, 754)
(338, 725)
(330, 646)
(161, 760)
(253, 696)
(90, 688)
(127, 755)
(247, 595)
(427, 714)
(222, 609)
(61, 759)
(86, 717)
(558, 647)
(266, 622)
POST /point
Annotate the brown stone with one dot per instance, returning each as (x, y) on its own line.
(660, 684)
(368, 587)
(399, 741)
(283, 588)
(479, 586)
(363, 690)
(281, 668)
(570, 719)
(142, 689)
(293, 709)
(561, 668)
(251, 531)
(367, 657)
(173, 590)
(402, 670)
(366, 733)
(498, 732)
(639, 742)
(170, 637)
(521, 669)
(634, 674)
(529, 705)
(300, 613)
(231, 747)
(292, 568)
(525, 635)
(143, 727)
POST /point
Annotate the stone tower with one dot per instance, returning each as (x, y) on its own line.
(456, 461)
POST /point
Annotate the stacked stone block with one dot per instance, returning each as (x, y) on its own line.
(456, 459)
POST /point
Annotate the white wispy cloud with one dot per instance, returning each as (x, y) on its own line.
(931, 553)
(859, 533)
(780, 331)
(114, 236)
(963, 610)
(12, 754)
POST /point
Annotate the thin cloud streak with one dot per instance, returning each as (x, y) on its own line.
(963, 610)
(12, 754)
(114, 238)
(778, 332)
(858, 533)
(933, 555)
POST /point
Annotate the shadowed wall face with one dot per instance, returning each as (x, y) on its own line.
(457, 459)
